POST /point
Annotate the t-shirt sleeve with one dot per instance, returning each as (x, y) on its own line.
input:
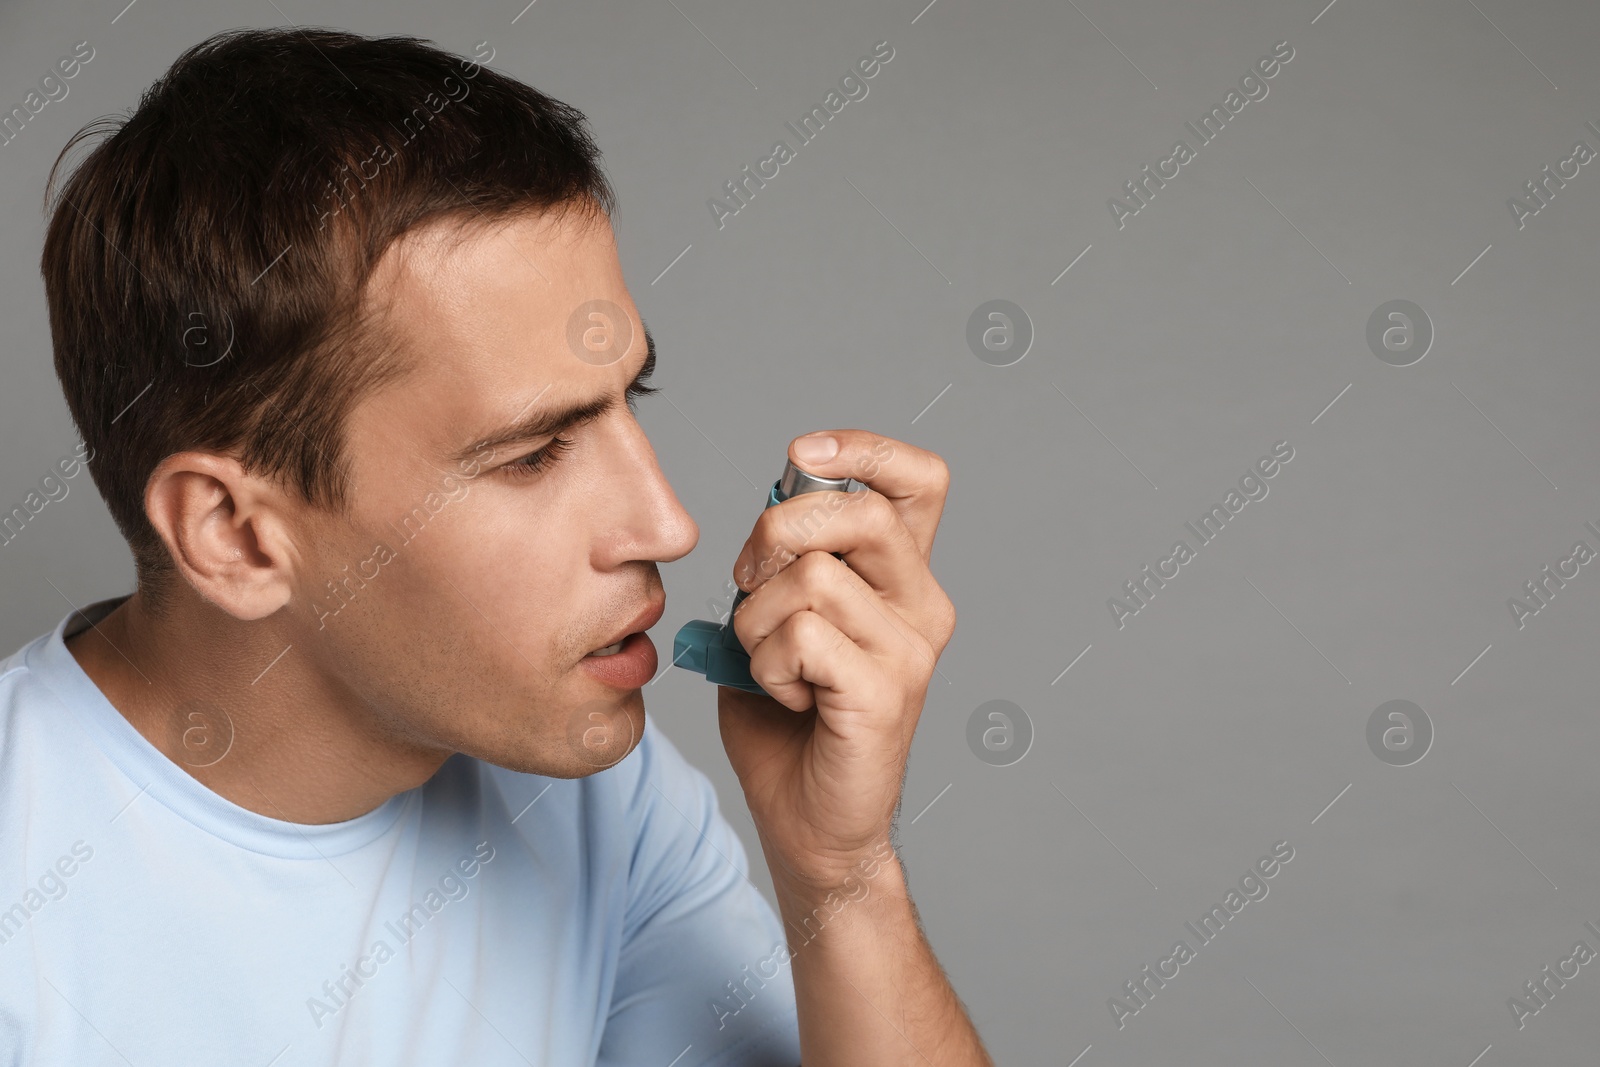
(703, 978)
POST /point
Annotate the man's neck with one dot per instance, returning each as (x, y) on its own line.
(267, 731)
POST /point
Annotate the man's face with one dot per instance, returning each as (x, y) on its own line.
(465, 594)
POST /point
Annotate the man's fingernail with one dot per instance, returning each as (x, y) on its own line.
(816, 449)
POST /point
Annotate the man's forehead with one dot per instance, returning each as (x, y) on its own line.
(473, 277)
(483, 316)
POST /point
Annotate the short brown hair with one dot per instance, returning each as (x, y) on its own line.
(205, 263)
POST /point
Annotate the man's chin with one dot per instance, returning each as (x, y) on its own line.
(602, 731)
(598, 733)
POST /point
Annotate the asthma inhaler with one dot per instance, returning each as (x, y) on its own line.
(712, 648)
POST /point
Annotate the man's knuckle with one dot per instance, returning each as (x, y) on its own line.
(814, 567)
(810, 628)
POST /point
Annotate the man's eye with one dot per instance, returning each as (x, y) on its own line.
(534, 462)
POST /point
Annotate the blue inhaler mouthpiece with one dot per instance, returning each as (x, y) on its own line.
(712, 648)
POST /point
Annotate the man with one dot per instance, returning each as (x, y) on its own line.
(360, 773)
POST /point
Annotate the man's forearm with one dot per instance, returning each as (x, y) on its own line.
(867, 985)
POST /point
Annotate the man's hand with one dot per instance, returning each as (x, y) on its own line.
(846, 648)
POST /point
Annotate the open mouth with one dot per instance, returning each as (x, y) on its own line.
(628, 664)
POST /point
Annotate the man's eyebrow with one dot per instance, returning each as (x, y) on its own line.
(542, 423)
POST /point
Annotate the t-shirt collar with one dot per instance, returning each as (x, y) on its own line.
(155, 776)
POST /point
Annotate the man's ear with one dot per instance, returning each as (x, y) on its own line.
(229, 533)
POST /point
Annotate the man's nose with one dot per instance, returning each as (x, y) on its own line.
(664, 529)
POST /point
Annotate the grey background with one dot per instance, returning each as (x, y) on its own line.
(1175, 352)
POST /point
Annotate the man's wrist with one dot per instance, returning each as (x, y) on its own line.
(808, 891)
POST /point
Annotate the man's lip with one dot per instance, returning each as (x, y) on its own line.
(647, 617)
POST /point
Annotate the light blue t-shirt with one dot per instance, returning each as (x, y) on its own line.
(486, 917)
